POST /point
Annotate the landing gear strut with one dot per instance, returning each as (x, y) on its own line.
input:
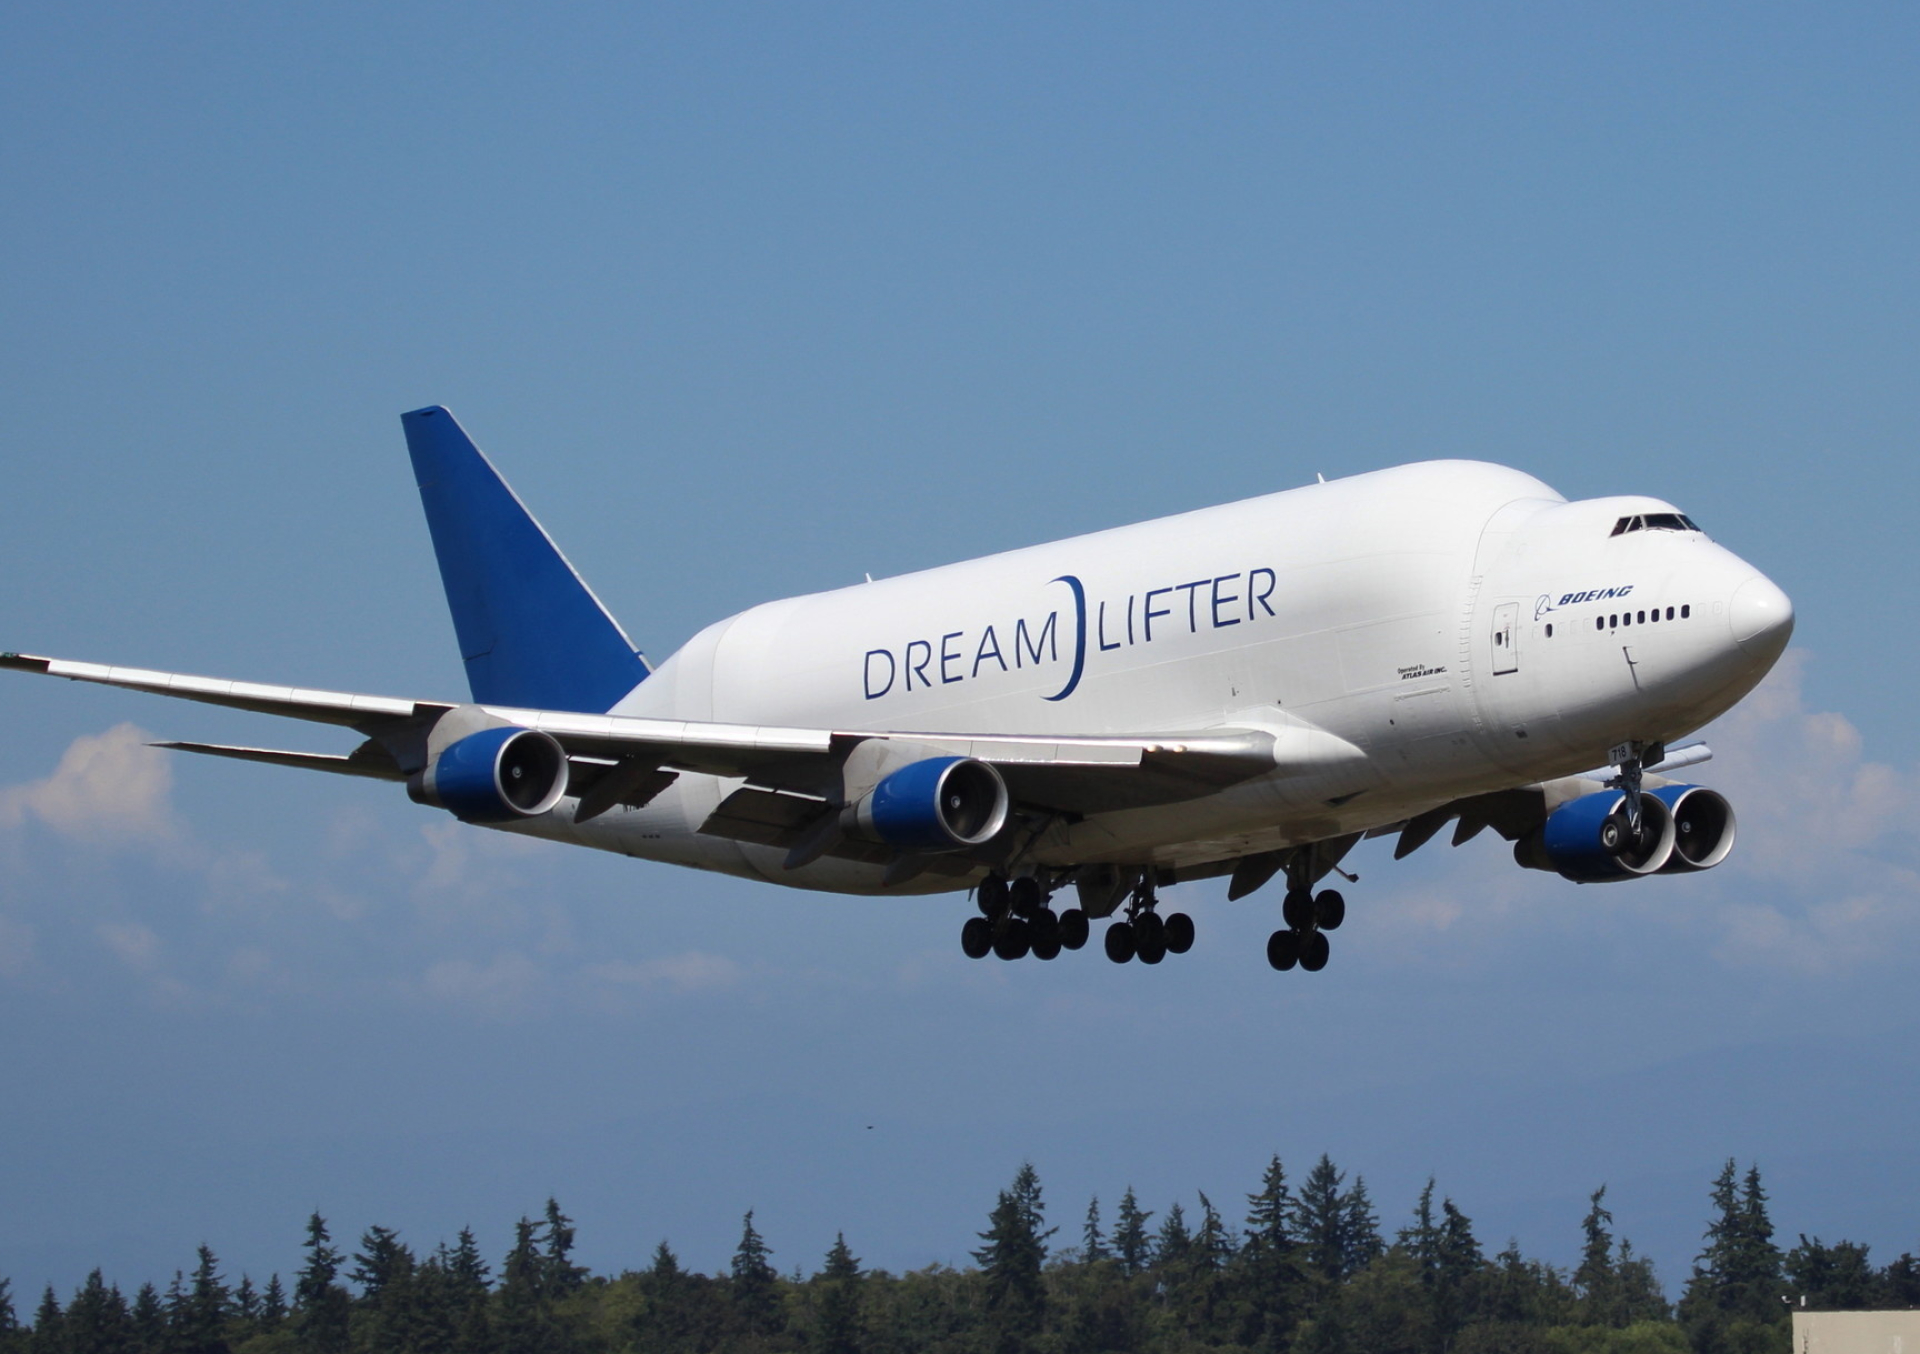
(1309, 916)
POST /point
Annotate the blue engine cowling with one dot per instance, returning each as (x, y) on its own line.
(940, 804)
(1703, 826)
(495, 776)
(1583, 840)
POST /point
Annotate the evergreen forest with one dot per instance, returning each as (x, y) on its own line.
(1306, 1267)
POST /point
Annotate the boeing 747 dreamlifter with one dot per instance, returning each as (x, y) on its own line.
(1248, 690)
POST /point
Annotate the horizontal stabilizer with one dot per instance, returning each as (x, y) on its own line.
(370, 760)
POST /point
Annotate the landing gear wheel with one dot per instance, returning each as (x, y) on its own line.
(1046, 933)
(1014, 941)
(976, 937)
(992, 897)
(1026, 896)
(1149, 938)
(1283, 950)
(1329, 910)
(1313, 952)
(1179, 931)
(1120, 942)
(1074, 929)
(1047, 948)
(1297, 910)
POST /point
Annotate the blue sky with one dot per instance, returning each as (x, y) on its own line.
(748, 301)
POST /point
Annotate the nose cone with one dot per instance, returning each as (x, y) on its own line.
(1761, 618)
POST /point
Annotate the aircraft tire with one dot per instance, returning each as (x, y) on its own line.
(1179, 933)
(1014, 941)
(991, 897)
(1047, 947)
(1329, 910)
(1026, 896)
(1313, 952)
(1046, 929)
(1074, 929)
(1297, 909)
(1120, 942)
(1150, 948)
(976, 937)
(1283, 950)
(1149, 932)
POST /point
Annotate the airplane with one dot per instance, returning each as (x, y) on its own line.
(1248, 690)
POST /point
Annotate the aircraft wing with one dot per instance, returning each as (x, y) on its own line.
(627, 760)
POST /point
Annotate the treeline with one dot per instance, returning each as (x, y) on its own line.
(1306, 1269)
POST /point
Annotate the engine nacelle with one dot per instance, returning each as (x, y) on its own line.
(939, 804)
(495, 776)
(1703, 826)
(1586, 840)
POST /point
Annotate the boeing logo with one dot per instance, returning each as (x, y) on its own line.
(1546, 602)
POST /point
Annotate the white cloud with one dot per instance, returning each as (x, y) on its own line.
(109, 789)
(137, 946)
(505, 987)
(693, 971)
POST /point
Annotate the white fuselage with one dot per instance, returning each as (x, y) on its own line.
(1457, 627)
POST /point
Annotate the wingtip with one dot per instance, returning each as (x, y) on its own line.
(25, 662)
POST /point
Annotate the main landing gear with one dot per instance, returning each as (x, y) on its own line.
(1309, 916)
(1016, 921)
(1142, 934)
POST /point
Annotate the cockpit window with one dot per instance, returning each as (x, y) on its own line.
(1654, 521)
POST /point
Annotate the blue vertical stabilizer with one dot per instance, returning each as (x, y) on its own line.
(530, 630)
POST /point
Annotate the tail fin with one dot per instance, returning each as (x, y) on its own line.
(530, 630)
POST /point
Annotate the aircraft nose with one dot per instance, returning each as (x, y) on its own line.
(1761, 617)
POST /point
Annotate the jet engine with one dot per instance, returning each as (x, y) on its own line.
(495, 776)
(939, 804)
(1703, 827)
(1588, 841)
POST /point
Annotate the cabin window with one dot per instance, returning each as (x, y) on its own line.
(1669, 613)
(1549, 629)
(1685, 612)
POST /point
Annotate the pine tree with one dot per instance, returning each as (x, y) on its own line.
(96, 1321)
(1320, 1218)
(1093, 1247)
(755, 1292)
(523, 1322)
(1361, 1228)
(560, 1274)
(1735, 1286)
(1014, 1252)
(1130, 1241)
(1421, 1237)
(320, 1305)
(837, 1326)
(1269, 1273)
(1595, 1278)
(1173, 1246)
(9, 1319)
(246, 1302)
(148, 1321)
(385, 1270)
(49, 1331)
(204, 1329)
(273, 1304)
